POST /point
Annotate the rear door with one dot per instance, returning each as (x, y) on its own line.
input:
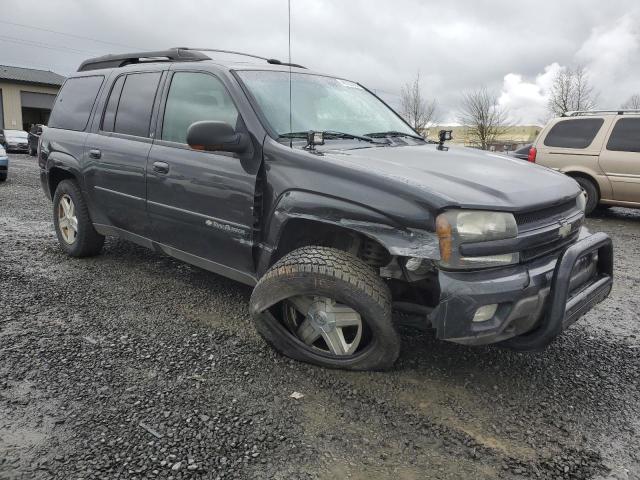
(620, 159)
(200, 203)
(116, 154)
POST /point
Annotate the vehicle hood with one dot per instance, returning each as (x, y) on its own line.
(463, 177)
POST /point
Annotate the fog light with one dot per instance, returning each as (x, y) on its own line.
(486, 312)
(413, 264)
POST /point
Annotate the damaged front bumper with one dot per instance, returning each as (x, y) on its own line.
(535, 301)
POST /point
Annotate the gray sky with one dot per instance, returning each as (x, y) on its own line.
(511, 47)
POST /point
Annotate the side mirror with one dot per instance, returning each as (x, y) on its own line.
(213, 136)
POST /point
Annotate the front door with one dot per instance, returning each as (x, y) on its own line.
(200, 203)
(620, 159)
(116, 156)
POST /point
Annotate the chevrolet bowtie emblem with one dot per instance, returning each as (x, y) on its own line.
(564, 230)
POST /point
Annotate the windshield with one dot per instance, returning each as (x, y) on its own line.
(15, 134)
(320, 104)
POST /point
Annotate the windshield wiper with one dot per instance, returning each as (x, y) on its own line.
(393, 133)
(331, 134)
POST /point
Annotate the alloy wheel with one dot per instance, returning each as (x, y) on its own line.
(67, 220)
(323, 324)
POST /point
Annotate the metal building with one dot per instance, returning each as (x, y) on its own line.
(26, 96)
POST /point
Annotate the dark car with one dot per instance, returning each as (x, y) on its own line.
(313, 191)
(14, 140)
(34, 137)
(522, 153)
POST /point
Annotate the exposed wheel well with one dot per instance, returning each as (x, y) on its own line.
(56, 175)
(302, 233)
(586, 176)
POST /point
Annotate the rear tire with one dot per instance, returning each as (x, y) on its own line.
(77, 238)
(327, 273)
(590, 190)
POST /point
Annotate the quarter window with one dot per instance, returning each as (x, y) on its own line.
(625, 136)
(133, 115)
(576, 133)
(74, 103)
(194, 97)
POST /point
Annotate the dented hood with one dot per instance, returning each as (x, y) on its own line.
(463, 177)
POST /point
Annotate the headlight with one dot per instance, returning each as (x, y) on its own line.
(456, 227)
(581, 201)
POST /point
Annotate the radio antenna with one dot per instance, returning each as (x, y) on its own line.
(290, 114)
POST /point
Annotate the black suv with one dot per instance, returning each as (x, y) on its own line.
(313, 191)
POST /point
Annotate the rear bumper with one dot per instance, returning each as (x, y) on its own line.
(535, 301)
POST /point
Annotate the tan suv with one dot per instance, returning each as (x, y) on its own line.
(599, 149)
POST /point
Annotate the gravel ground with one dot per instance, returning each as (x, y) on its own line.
(133, 365)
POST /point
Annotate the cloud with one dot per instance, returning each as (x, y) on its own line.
(611, 57)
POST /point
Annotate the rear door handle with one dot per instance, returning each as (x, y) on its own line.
(160, 167)
(95, 153)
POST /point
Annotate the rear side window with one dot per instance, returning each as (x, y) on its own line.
(625, 136)
(112, 105)
(74, 103)
(576, 133)
(133, 115)
(194, 97)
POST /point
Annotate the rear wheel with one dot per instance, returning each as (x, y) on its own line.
(590, 190)
(74, 229)
(324, 306)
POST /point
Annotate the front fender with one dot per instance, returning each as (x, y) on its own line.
(398, 240)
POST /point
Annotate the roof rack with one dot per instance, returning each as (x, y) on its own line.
(620, 111)
(177, 54)
(122, 59)
(272, 61)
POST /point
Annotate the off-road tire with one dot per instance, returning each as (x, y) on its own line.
(88, 242)
(339, 275)
(591, 191)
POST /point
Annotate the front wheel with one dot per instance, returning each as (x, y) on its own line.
(325, 306)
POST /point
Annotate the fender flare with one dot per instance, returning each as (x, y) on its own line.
(298, 204)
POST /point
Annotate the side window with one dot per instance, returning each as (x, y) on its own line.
(625, 136)
(74, 103)
(194, 97)
(133, 115)
(575, 133)
(109, 118)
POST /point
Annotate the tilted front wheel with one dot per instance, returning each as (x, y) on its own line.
(74, 229)
(324, 306)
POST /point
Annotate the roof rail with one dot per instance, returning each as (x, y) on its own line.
(619, 111)
(177, 54)
(122, 59)
(272, 61)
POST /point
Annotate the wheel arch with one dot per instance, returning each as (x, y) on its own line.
(317, 214)
(587, 176)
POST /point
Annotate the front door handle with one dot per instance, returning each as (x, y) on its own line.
(95, 153)
(160, 167)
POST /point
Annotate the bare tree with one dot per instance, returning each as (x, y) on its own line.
(571, 90)
(632, 103)
(415, 109)
(483, 118)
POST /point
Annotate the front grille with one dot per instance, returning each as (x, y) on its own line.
(546, 215)
(548, 248)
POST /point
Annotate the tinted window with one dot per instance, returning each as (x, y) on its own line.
(136, 102)
(578, 133)
(194, 97)
(625, 136)
(112, 105)
(74, 103)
